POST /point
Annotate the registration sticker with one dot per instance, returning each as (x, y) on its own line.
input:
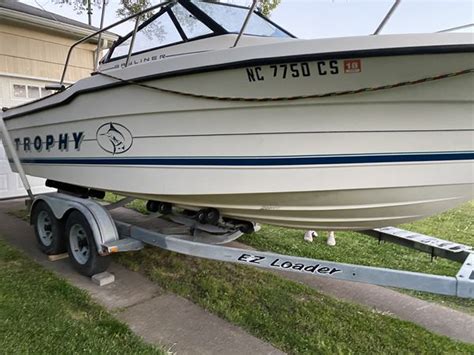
(352, 66)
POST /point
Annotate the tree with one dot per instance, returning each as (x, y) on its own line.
(130, 7)
(81, 6)
(267, 6)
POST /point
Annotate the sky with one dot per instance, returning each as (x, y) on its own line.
(329, 18)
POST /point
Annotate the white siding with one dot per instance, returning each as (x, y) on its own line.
(10, 183)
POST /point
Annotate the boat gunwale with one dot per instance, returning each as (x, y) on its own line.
(364, 53)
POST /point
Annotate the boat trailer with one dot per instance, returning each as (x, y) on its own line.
(204, 241)
(87, 230)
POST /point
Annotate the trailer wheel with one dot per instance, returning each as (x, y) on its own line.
(82, 248)
(49, 230)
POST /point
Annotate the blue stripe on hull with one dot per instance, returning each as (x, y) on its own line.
(258, 161)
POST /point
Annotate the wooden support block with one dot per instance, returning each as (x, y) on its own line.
(58, 257)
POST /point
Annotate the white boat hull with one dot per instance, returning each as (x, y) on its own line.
(353, 161)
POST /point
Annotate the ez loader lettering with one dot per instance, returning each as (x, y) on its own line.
(285, 264)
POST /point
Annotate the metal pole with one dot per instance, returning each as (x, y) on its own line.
(9, 145)
(387, 17)
(89, 12)
(99, 44)
(252, 8)
(132, 41)
(457, 28)
(68, 57)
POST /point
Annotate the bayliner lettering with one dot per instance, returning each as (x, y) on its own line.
(61, 141)
(286, 264)
(293, 70)
(142, 60)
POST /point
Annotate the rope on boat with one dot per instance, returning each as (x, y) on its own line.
(298, 97)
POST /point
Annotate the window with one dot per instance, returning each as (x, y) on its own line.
(159, 32)
(232, 18)
(33, 92)
(19, 91)
(190, 25)
(176, 24)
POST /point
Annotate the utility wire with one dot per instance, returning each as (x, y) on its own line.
(54, 18)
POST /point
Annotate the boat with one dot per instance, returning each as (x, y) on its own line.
(214, 106)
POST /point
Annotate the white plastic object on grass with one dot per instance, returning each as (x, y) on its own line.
(331, 239)
(309, 235)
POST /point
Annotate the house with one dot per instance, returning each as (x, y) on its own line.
(33, 49)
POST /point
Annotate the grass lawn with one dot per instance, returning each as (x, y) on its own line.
(43, 314)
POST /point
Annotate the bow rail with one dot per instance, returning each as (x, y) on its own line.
(137, 15)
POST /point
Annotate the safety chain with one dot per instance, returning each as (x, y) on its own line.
(299, 97)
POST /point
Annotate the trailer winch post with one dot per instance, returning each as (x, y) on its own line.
(11, 149)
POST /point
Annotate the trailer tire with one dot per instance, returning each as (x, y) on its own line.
(49, 230)
(82, 248)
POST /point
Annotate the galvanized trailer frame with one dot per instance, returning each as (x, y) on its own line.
(112, 236)
(462, 285)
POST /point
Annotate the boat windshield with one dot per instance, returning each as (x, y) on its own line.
(186, 20)
(232, 17)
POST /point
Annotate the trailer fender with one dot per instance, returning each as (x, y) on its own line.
(101, 222)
